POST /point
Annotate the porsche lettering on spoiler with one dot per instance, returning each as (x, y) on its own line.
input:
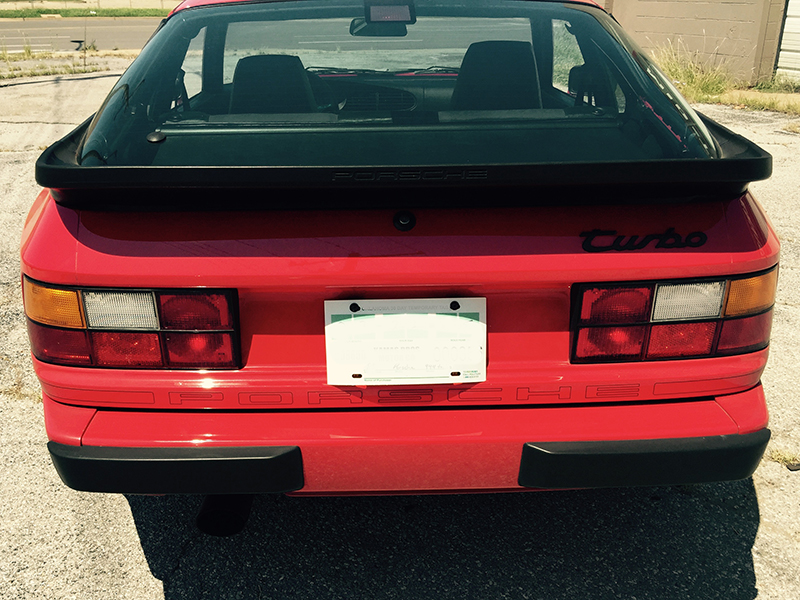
(390, 175)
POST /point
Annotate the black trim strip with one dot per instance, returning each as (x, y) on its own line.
(201, 470)
(568, 465)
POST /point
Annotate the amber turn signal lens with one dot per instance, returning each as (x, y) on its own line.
(52, 306)
(751, 295)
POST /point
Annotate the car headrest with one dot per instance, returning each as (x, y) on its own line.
(271, 83)
(497, 75)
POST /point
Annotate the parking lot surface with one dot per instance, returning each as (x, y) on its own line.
(735, 541)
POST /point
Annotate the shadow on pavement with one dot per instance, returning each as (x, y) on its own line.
(677, 542)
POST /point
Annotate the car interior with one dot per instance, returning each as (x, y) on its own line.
(556, 91)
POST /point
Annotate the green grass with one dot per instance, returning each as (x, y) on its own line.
(26, 54)
(33, 64)
(754, 100)
(52, 70)
(779, 84)
(33, 13)
(42, 69)
(793, 127)
(783, 457)
(699, 79)
(705, 80)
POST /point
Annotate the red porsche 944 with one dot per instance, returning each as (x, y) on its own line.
(395, 246)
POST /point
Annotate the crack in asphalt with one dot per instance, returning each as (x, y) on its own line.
(37, 123)
(57, 78)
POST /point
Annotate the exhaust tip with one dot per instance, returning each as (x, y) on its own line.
(224, 514)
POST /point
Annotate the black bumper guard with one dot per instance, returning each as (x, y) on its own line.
(567, 465)
(203, 470)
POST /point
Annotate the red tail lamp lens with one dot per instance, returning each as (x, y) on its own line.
(118, 349)
(200, 349)
(616, 305)
(131, 328)
(676, 319)
(681, 339)
(610, 342)
(61, 346)
(743, 335)
(195, 311)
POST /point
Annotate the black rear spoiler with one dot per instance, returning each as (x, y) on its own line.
(271, 188)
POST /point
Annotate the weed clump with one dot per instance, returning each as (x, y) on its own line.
(705, 80)
(699, 79)
(787, 458)
(779, 84)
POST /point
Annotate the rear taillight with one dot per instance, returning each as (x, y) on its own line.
(132, 328)
(676, 319)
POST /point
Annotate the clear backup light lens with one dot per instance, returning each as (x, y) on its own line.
(685, 301)
(120, 310)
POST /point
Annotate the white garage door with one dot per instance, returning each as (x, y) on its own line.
(789, 57)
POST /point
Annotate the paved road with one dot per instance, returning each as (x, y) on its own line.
(734, 541)
(132, 33)
(44, 35)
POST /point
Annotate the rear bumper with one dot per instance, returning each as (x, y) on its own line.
(555, 465)
(408, 451)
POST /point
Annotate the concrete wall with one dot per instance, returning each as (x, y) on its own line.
(743, 35)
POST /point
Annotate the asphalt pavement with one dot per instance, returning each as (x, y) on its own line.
(64, 35)
(54, 33)
(732, 541)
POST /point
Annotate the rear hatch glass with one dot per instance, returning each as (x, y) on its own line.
(310, 93)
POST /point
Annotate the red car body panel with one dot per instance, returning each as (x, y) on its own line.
(282, 280)
(676, 216)
(394, 451)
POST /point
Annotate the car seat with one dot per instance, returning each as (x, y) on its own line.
(497, 75)
(270, 84)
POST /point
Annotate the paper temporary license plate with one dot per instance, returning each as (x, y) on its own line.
(397, 342)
